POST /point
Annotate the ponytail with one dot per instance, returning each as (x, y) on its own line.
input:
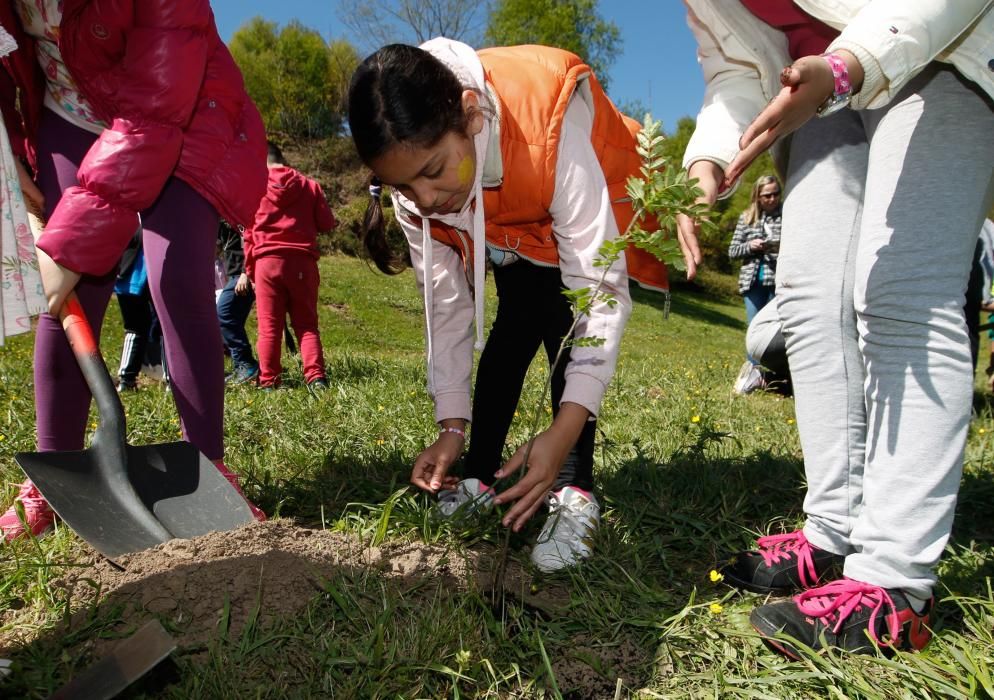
(374, 233)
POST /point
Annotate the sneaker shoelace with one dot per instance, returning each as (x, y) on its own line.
(561, 513)
(773, 548)
(31, 498)
(836, 601)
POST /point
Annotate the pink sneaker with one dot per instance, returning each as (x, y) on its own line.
(38, 517)
(233, 480)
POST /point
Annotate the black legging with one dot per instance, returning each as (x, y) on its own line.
(531, 311)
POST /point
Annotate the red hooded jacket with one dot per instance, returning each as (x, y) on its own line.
(291, 215)
(158, 74)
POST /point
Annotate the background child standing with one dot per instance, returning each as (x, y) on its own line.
(281, 254)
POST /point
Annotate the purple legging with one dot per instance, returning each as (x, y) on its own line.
(180, 231)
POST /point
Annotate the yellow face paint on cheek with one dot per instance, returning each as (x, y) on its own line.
(465, 171)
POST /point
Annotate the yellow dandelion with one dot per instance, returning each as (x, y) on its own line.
(716, 577)
(981, 431)
(380, 441)
(379, 407)
(790, 421)
(695, 419)
(2, 437)
(716, 608)
(515, 414)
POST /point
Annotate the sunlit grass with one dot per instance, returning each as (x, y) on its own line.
(685, 471)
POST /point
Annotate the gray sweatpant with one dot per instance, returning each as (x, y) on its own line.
(879, 227)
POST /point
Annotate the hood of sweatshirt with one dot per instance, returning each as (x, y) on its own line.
(285, 186)
(462, 60)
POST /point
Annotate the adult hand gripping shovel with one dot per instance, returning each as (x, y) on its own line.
(121, 498)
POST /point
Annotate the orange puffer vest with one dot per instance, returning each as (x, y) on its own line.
(534, 85)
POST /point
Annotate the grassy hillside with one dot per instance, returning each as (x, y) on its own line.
(685, 473)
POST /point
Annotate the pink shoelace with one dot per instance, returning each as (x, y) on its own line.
(776, 547)
(31, 498)
(837, 600)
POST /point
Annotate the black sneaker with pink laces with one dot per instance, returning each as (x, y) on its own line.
(781, 564)
(850, 615)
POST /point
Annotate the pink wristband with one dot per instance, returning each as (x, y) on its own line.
(840, 71)
(458, 431)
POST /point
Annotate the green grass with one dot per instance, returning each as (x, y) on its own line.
(685, 472)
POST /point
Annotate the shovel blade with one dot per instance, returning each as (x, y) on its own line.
(130, 660)
(171, 491)
(184, 490)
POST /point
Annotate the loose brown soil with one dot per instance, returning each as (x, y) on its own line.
(188, 585)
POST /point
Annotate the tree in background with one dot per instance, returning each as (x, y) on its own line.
(381, 22)
(574, 25)
(296, 79)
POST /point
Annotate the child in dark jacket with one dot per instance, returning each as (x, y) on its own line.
(281, 255)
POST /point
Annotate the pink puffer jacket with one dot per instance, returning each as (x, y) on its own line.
(157, 72)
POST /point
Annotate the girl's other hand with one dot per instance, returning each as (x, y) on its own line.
(549, 451)
(807, 83)
(709, 176)
(546, 459)
(33, 197)
(243, 285)
(431, 468)
(58, 281)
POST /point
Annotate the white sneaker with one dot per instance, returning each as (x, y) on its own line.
(565, 539)
(749, 380)
(469, 494)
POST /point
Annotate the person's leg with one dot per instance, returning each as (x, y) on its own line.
(62, 399)
(814, 301)
(756, 298)
(179, 238)
(511, 345)
(270, 312)
(765, 341)
(232, 313)
(929, 185)
(302, 280)
(557, 315)
(137, 318)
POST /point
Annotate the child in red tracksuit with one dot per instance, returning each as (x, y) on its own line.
(281, 254)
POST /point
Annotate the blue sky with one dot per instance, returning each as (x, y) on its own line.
(657, 65)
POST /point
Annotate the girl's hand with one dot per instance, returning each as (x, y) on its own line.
(756, 245)
(243, 285)
(806, 85)
(431, 468)
(33, 197)
(549, 451)
(709, 177)
(58, 281)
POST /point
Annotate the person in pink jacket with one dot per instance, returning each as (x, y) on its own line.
(130, 111)
(281, 259)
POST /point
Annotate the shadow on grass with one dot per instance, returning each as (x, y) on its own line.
(696, 509)
(687, 306)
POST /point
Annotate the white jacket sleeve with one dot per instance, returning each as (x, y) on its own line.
(733, 96)
(448, 323)
(582, 219)
(894, 41)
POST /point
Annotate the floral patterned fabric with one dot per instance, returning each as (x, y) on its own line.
(41, 19)
(21, 293)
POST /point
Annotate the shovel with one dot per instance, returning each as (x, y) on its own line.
(121, 498)
(130, 660)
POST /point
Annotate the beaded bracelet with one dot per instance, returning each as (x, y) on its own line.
(458, 431)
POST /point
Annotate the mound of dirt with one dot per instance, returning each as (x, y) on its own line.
(272, 570)
(191, 582)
